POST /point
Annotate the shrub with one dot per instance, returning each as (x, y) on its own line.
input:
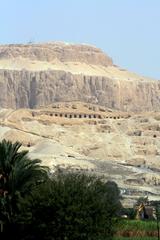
(74, 206)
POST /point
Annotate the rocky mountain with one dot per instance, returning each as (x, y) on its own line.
(119, 146)
(71, 106)
(36, 75)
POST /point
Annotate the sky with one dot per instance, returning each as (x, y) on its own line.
(127, 30)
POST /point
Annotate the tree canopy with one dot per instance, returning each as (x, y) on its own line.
(61, 206)
(74, 206)
(18, 176)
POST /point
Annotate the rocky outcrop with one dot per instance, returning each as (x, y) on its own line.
(63, 135)
(61, 51)
(26, 88)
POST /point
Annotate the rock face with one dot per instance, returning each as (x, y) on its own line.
(38, 75)
(51, 51)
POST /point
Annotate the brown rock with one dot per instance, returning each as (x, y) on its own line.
(41, 74)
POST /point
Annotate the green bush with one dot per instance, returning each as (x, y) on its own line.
(73, 206)
(65, 206)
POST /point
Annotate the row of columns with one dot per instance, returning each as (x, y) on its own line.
(73, 115)
(81, 115)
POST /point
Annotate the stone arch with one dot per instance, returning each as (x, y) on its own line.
(75, 116)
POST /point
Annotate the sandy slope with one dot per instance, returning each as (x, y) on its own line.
(124, 150)
(113, 72)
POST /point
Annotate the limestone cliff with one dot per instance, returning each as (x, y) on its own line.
(51, 51)
(36, 75)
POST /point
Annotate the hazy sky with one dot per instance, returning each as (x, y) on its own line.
(128, 30)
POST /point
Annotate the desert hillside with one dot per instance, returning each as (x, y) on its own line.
(71, 106)
(124, 147)
(36, 75)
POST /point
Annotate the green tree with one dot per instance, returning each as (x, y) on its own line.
(74, 206)
(18, 176)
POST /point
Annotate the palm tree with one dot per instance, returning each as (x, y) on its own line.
(18, 176)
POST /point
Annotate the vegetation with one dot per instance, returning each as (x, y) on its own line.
(137, 225)
(64, 206)
(61, 206)
(157, 208)
(136, 229)
(134, 238)
(18, 176)
(129, 212)
(76, 206)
